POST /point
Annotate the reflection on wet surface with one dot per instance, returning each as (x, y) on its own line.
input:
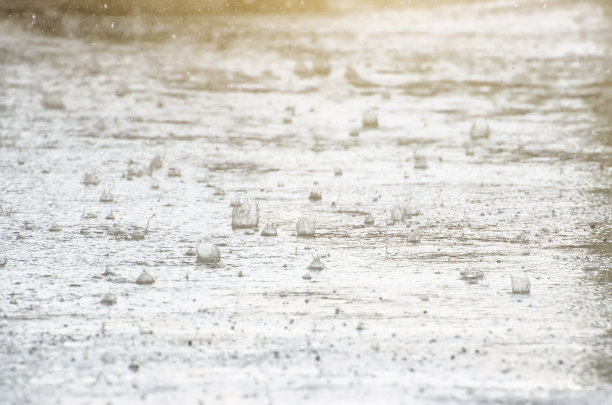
(416, 307)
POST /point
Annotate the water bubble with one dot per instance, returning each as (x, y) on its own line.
(133, 232)
(479, 130)
(156, 163)
(269, 230)
(145, 278)
(245, 215)
(174, 172)
(315, 195)
(522, 237)
(369, 120)
(306, 226)
(307, 276)
(520, 284)
(134, 170)
(471, 275)
(3, 260)
(354, 78)
(410, 211)
(55, 228)
(413, 236)
(108, 272)
(109, 299)
(208, 253)
(338, 171)
(317, 147)
(397, 214)
(90, 179)
(368, 220)
(106, 197)
(316, 264)
(89, 215)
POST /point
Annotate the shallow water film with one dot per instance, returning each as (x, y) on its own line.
(409, 204)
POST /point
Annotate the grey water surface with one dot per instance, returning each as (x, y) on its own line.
(269, 107)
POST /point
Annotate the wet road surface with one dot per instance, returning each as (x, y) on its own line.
(269, 107)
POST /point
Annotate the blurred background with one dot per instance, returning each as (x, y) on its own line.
(165, 7)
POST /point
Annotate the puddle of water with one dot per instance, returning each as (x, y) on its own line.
(391, 313)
